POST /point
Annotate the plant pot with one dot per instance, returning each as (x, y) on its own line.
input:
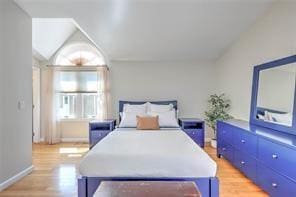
(214, 143)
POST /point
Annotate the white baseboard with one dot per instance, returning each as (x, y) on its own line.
(70, 140)
(16, 178)
(74, 140)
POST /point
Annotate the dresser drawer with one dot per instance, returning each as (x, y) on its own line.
(224, 132)
(226, 150)
(245, 142)
(246, 164)
(274, 184)
(278, 157)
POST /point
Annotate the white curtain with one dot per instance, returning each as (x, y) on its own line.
(50, 120)
(104, 93)
(50, 117)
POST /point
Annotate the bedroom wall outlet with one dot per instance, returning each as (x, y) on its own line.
(21, 105)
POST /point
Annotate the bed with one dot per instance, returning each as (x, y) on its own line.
(164, 155)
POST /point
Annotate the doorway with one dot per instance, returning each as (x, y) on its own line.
(36, 105)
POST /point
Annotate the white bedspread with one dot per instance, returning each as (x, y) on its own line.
(132, 153)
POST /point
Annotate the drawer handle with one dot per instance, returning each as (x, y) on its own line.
(243, 141)
(242, 162)
(224, 149)
(274, 156)
(274, 185)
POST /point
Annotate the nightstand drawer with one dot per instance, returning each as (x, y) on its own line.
(97, 135)
(193, 132)
(194, 128)
(99, 129)
(196, 135)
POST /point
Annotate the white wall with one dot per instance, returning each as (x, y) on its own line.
(271, 37)
(76, 37)
(74, 130)
(190, 83)
(16, 80)
(1, 88)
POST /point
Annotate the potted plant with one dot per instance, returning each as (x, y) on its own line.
(218, 107)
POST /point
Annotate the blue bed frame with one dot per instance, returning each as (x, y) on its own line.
(208, 186)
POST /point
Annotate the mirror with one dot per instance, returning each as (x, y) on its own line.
(275, 96)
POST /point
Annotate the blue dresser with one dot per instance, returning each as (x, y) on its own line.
(265, 156)
(100, 129)
(194, 128)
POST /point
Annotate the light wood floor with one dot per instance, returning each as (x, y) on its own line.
(55, 174)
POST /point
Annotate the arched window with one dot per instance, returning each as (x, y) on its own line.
(80, 89)
(79, 54)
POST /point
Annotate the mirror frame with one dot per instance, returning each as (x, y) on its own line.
(256, 74)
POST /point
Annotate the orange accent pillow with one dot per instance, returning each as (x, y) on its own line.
(147, 123)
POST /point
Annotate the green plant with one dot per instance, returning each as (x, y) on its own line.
(218, 107)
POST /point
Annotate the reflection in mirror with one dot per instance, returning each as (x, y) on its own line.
(275, 97)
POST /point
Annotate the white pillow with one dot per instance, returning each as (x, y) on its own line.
(159, 108)
(285, 119)
(129, 119)
(135, 108)
(166, 119)
(261, 117)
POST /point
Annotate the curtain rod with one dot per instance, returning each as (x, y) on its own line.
(75, 66)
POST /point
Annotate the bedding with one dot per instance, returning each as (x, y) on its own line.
(129, 119)
(137, 109)
(159, 108)
(166, 153)
(280, 118)
(166, 119)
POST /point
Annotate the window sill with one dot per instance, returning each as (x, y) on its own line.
(76, 120)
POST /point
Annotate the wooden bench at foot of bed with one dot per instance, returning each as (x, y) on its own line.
(208, 187)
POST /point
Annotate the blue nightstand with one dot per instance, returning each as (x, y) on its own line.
(98, 129)
(194, 128)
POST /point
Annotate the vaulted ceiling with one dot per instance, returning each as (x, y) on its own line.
(49, 35)
(156, 30)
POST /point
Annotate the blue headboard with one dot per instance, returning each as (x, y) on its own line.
(121, 104)
(261, 110)
(173, 102)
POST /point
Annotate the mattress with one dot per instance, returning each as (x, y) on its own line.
(165, 153)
